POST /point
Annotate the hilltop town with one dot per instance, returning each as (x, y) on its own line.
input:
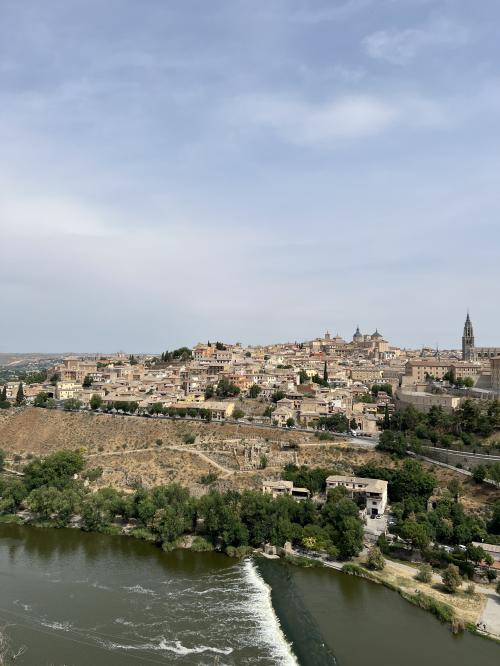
(306, 422)
(338, 384)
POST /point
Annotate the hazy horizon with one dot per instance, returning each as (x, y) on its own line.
(253, 172)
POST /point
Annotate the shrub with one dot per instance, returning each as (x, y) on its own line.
(201, 545)
(424, 574)
(189, 438)
(239, 551)
(209, 478)
(304, 562)
(375, 559)
(471, 589)
(442, 611)
(451, 578)
(143, 534)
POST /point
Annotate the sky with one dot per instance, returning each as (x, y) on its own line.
(175, 171)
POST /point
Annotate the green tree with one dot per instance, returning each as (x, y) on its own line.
(392, 442)
(55, 470)
(303, 376)
(386, 423)
(41, 399)
(479, 473)
(95, 401)
(290, 422)
(424, 574)
(20, 399)
(254, 391)
(325, 373)
(375, 559)
(455, 488)
(3, 394)
(238, 414)
(226, 389)
(72, 405)
(55, 378)
(451, 578)
(2, 459)
(416, 533)
(87, 382)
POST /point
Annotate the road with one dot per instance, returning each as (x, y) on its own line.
(360, 440)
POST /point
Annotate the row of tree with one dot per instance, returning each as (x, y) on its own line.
(228, 520)
(474, 418)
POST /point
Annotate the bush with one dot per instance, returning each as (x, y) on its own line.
(209, 478)
(144, 534)
(424, 574)
(304, 562)
(375, 559)
(451, 578)
(239, 551)
(201, 545)
(470, 589)
(479, 473)
(442, 611)
(189, 438)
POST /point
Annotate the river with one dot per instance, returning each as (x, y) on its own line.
(74, 599)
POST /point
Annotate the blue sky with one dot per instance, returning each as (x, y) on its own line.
(244, 170)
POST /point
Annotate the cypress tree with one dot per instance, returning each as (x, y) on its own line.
(387, 419)
(20, 394)
(3, 397)
(325, 373)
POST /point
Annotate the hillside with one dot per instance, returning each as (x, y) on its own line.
(160, 451)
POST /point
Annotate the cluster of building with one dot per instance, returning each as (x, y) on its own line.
(304, 381)
(432, 379)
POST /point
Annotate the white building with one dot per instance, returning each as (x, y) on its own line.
(374, 491)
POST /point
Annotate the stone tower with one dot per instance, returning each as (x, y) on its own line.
(468, 346)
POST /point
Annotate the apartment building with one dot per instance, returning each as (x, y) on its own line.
(373, 490)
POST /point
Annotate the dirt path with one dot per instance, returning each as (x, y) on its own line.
(158, 449)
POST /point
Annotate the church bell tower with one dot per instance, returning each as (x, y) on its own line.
(468, 345)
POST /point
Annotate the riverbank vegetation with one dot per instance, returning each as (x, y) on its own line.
(53, 491)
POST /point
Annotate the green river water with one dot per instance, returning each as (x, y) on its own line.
(74, 599)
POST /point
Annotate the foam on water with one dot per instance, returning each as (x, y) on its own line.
(138, 589)
(168, 646)
(60, 626)
(270, 631)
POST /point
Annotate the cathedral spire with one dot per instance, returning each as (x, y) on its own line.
(468, 342)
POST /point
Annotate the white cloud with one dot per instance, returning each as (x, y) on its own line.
(51, 215)
(346, 117)
(400, 47)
